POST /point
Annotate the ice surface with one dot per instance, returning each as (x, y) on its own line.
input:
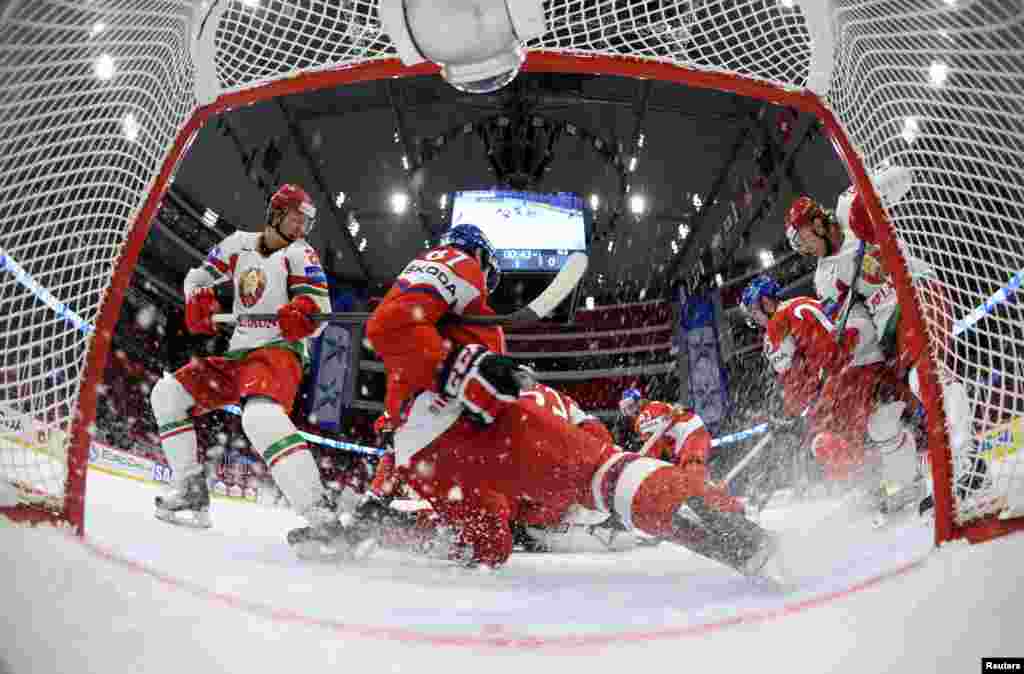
(142, 596)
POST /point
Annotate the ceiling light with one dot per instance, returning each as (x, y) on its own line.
(362, 244)
(675, 247)
(399, 202)
(637, 204)
(911, 129)
(339, 199)
(938, 73)
(697, 201)
(767, 258)
(684, 231)
(104, 67)
(640, 141)
(210, 217)
(97, 28)
(718, 280)
(595, 202)
(130, 126)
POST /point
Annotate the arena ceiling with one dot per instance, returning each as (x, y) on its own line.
(546, 132)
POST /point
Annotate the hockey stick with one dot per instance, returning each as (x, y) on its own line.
(561, 287)
(761, 444)
(844, 312)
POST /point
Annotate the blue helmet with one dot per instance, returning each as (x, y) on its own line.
(629, 405)
(763, 285)
(469, 239)
(831, 309)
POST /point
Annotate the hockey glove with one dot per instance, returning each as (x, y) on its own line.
(483, 381)
(200, 307)
(293, 318)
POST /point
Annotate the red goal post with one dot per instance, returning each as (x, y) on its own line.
(103, 99)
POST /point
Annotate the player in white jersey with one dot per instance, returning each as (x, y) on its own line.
(835, 238)
(274, 271)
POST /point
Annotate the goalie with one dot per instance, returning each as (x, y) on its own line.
(478, 444)
(274, 270)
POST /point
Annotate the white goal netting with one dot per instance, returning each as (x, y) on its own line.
(95, 96)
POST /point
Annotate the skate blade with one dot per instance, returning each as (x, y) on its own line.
(773, 573)
(316, 551)
(198, 521)
(365, 549)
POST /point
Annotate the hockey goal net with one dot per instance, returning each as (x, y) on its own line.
(100, 100)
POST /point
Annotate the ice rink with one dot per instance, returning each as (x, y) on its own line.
(143, 596)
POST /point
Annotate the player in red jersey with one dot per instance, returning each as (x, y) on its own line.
(669, 432)
(834, 239)
(482, 446)
(847, 390)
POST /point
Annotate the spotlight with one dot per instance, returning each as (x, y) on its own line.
(637, 204)
(104, 67)
(399, 202)
(938, 73)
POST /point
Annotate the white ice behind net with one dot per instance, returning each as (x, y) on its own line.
(79, 153)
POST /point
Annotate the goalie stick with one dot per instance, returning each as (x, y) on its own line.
(561, 287)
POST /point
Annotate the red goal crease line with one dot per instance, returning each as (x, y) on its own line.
(495, 635)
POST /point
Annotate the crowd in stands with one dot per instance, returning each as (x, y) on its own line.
(149, 341)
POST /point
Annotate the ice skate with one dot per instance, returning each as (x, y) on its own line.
(731, 539)
(188, 505)
(768, 565)
(327, 538)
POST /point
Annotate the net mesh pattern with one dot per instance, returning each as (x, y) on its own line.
(939, 87)
(94, 93)
(92, 96)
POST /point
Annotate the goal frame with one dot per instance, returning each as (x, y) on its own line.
(804, 100)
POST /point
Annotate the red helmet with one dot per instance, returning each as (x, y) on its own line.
(802, 213)
(293, 196)
(652, 416)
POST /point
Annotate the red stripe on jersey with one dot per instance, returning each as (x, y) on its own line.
(306, 281)
(406, 287)
(219, 265)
